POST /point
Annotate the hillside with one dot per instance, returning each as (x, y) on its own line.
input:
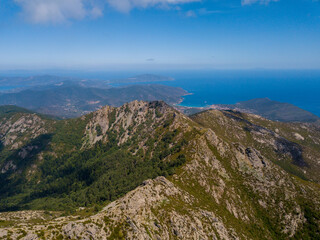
(276, 111)
(215, 175)
(73, 100)
(272, 110)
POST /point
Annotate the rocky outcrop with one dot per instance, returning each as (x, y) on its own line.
(125, 121)
(17, 129)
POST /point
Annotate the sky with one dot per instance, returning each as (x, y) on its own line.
(159, 34)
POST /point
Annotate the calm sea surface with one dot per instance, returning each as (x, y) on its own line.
(301, 88)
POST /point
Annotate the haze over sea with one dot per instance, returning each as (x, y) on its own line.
(298, 87)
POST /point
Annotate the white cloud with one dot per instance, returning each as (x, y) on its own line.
(249, 2)
(127, 5)
(59, 11)
(54, 11)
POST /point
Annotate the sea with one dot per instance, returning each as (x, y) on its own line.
(298, 87)
(301, 88)
(207, 87)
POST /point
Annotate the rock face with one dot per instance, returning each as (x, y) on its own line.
(15, 130)
(19, 134)
(139, 215)
(125, 121)
(244, 177)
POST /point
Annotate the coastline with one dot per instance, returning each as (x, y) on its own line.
(182, 99)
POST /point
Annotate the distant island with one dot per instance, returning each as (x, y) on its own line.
(17, 84)
(144, 78)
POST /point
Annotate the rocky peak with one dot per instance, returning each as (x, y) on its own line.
(126, 120)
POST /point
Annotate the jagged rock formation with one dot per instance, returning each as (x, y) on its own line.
(242, 177)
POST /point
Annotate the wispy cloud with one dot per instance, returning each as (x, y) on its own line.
(204, 11)
(60, 11)
(127, 5)
(51, 11)
(191, 13)
(249, 2)
(201, 12)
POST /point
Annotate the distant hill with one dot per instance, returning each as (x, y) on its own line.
(274, 110)
(144, 78)
(17, 84)
(32, 80)
(10, 110)
(72, 100)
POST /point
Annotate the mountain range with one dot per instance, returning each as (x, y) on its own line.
(69, 99)
(143, 78)
(22, 83)
(144, 170)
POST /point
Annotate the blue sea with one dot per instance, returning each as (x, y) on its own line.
(7, 88)
(301, 88)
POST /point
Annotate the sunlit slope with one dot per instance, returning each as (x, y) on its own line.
(224, 175)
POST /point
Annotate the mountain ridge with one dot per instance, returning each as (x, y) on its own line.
(228, 175)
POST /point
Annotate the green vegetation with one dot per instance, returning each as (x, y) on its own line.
(69, 176)
(10, 110)
(276, 111)
(224, 180)
(310, 230)
(94, 176)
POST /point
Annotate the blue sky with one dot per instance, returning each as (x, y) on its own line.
(172, 34)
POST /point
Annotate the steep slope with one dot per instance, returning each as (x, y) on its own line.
(18, 128)
(93, 159)
(293, 146)
(223, 179)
